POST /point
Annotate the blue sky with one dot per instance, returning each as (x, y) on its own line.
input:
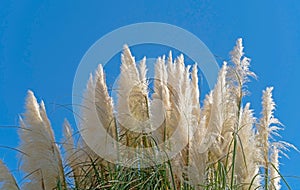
(42, 43)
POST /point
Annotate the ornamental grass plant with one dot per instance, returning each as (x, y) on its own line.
(225, 145)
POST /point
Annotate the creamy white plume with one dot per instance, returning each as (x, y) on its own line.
(41, 161)
(7, 181)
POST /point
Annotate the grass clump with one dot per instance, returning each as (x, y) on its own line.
(174, 142)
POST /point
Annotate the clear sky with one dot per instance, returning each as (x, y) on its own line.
(42, 43)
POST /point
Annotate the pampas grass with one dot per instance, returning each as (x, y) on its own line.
(224, 145)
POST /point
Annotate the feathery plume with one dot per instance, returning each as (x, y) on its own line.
(215, 125)
(198, 153)
(7, 181)
(160, 104)
(133, 109)
(42, 161)
(267, 129)
(68, 144)
(71, 152)
(241, 70)
(104, 103)
(247, 159)
(237, 52)
(267, 125)
(96, 110)
(274, 176)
